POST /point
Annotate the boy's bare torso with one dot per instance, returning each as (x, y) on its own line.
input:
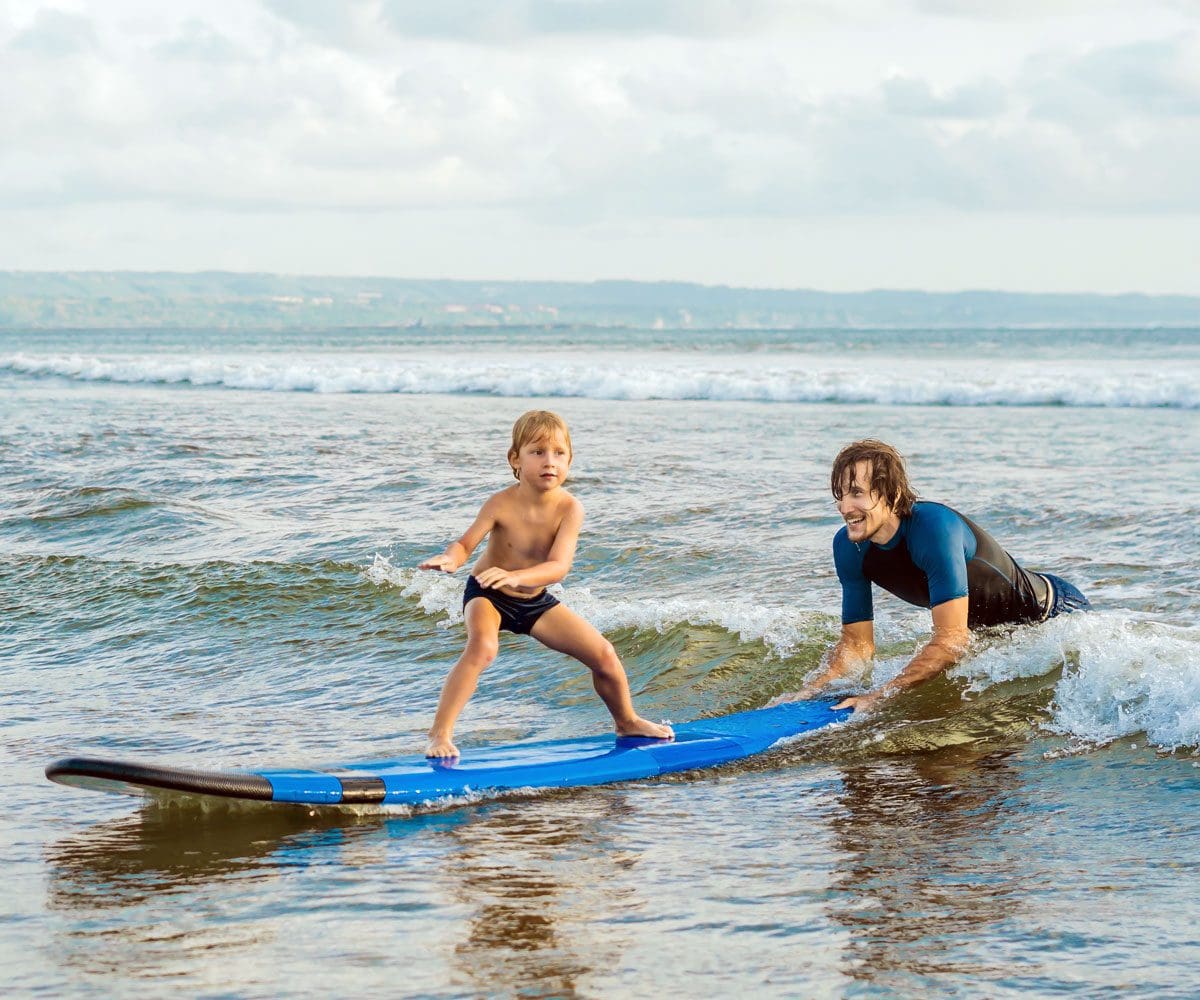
(523, 534)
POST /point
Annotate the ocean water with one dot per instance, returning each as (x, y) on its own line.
(207, 542)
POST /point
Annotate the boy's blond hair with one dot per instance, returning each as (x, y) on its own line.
(533, 426)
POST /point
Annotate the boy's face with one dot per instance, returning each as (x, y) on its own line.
(544, 463)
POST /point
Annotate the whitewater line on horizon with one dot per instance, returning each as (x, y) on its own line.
(729, 378)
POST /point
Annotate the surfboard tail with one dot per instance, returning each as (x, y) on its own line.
(136, 779)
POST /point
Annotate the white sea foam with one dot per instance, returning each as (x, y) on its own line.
(1121, 675)
(437, 593)
(780, 629)
(662, 375)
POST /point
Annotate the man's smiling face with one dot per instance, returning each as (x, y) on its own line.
(868, 515)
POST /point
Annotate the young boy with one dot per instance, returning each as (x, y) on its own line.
(533, 527)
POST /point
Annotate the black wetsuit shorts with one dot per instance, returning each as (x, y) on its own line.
(517, 614)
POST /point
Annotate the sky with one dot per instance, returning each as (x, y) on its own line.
(1035, 145)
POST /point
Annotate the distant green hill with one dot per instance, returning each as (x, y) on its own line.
(94, 299)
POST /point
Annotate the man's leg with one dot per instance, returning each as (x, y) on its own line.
(1067, 597)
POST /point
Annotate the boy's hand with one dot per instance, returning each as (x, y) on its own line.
(494, 576)
(443, 562)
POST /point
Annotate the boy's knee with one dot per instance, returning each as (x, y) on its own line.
(606, 659)
(483, 651)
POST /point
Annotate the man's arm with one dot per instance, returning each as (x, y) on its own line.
(857, 644)
(853, 649)
(944, 649)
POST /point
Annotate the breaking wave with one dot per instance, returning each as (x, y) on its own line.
(647, 375)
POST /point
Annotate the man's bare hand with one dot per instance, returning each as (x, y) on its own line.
(804, 694)
(863, 703)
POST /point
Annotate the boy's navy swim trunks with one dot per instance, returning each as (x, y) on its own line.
(516, 614)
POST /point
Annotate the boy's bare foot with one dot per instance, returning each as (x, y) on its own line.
(440, 747)
(638, 726)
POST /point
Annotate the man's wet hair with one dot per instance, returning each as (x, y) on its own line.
(889, 477)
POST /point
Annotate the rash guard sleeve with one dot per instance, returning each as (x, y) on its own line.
(941, 544)
(856, 588)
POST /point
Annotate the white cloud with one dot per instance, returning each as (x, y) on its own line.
(1157, 78)
(355, 25)
(912, 96)
(606, 116)
(198, 42)
(56, 33)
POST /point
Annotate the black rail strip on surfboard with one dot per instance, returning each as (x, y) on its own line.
(361, 790)
(242, 786)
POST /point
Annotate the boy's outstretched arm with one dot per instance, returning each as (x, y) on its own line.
(556, 565)
(458, 552)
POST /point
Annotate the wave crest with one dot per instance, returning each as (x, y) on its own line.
(673, 376)
(780, 629)
(1121, 675)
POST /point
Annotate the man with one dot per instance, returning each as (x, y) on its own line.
(926, 554)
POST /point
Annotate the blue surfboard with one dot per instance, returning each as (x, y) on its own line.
(589, 760)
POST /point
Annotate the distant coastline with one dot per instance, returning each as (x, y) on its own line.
(156, 300)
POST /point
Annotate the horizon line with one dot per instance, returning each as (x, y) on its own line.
(649, 282)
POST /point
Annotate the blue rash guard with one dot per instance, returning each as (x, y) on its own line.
(936, 556)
